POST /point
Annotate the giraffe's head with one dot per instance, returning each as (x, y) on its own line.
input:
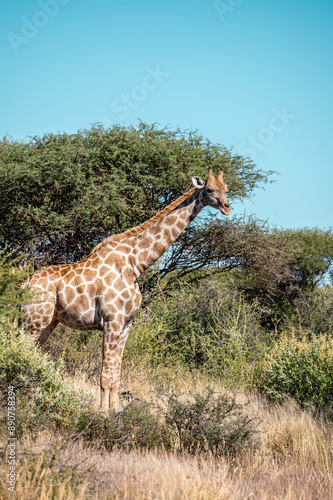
(214, 191)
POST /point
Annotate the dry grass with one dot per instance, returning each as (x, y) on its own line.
(291, 458)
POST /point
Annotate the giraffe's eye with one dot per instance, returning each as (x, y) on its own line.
(208, 190)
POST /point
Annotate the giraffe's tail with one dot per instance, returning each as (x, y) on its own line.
(19, 319)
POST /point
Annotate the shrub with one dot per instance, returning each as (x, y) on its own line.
(301, 369)
(149, 339)
(212, 328)
(40, 391)
(135, 426)
(213, 423)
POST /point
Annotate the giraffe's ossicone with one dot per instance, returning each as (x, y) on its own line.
(101, 291)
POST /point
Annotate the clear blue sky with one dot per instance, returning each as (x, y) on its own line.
(251, 74)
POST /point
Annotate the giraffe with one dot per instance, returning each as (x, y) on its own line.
(101, 291)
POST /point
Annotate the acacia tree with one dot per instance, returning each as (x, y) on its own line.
(289, 271)
(62, 194)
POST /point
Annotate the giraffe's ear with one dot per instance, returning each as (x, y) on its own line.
(197, 182)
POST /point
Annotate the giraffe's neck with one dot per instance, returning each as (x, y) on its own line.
(151, 243)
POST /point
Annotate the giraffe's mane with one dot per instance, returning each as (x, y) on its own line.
(139, 229)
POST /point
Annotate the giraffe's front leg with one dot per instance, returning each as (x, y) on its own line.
(115, 336)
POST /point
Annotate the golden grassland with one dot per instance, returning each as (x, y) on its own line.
(290, 457)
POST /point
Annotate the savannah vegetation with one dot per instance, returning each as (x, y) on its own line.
(227, 376)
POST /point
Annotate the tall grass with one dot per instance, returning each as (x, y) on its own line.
(290, 458)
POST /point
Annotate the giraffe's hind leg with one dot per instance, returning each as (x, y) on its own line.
(39, 318)
(46, 332)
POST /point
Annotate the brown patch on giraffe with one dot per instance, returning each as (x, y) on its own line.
(64, 270)
(132, 261)
(119, 284)
(155, 229)
(174, 233)
(112, 310)
(81, 289)
(128, 307)
(181, 225)
(48, 308)
(55, 276)
(125, 294)
(103, 271)
(138, 300)
(115, 326)
(119, 317)
(171, 220)
(93, 260)
(70, 276)
(109, 296)
(159, 248)
(90, 275)
(144, 256)
(109, 278)
(129, 276)
(36, 281)
(167, 235)
(68, 294)
(92, 289)
(123, 249)
(99, 285)
(105, 250)
(84, 303)
(146, 242)
(119, 303)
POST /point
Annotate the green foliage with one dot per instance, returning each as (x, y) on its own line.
(315, 311)
(41, 393)
(313, 261)
(212, 328)
(149, 342)
(11, 276)
(288, 272)
(62, 194)
(210, 422)
(79, 351)
(135, 426)
(302, 369)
